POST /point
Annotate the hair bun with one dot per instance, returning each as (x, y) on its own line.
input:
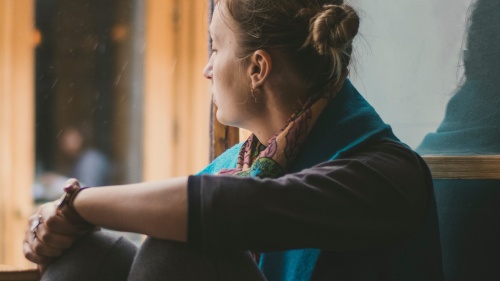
(333, 28)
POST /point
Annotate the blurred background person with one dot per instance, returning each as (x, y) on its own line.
(79, 159)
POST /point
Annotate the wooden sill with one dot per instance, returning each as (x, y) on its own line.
(464, 167)
(11, 273)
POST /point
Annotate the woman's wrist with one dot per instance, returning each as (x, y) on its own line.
(67, 204)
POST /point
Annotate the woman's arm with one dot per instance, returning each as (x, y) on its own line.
(376, 197)
(157, 209)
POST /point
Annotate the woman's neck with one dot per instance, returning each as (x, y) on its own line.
(284, 93)
(275, 115)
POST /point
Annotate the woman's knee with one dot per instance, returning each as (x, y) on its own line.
(168, 260)
(96, 256)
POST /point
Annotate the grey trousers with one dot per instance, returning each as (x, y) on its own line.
(101, 256)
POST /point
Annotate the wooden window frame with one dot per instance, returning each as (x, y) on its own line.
(464, 167)
(221, 137)
(17, 42)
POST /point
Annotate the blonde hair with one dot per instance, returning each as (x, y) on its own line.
(316, 35)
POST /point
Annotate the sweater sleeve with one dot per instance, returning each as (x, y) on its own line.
(373, 198)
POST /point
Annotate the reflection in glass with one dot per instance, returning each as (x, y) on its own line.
(88, 94)
(471, 124)
(469, 210)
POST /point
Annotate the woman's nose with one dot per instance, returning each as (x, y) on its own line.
(207, 72)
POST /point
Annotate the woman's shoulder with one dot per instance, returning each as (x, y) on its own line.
(380, 166)
(391, 159)
(389, 151)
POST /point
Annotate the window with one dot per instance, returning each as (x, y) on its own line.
(431, 70)
(126, 76)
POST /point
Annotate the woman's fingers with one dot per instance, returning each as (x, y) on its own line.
(53, 239)
(42, 249)
(55, 221)
(28, 251)
(49, 232)
(48, 235)
(53, 232)
(59, 224)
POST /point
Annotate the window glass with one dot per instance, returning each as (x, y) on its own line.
(431, 70)
(88, 109)
(88, 95)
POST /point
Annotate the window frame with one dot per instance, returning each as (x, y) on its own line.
(464, 167)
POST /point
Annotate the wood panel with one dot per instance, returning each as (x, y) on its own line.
(10, 273)
(222, 137)
(16, 126)
(176, 99)
(464, 167)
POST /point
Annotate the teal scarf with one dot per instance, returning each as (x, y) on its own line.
(346, 123)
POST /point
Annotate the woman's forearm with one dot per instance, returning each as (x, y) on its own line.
(157, 209)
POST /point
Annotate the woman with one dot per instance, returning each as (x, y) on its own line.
(322, 190)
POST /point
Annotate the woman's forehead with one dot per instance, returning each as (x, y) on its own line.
(215, 25)
(219, 26)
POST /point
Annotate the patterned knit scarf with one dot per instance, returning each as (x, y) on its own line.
(257, 160)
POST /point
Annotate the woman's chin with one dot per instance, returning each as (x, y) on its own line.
(220, 118)
(224, 120)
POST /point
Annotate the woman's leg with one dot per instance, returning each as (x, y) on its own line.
(96, 256)
(167, 260)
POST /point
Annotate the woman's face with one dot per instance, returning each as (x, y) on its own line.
(230, 81)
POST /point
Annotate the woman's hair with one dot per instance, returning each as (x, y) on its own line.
(315, 34)
(482, 56)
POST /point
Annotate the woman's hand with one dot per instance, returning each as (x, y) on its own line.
(51, 231)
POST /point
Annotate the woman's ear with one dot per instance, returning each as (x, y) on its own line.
(260, 67)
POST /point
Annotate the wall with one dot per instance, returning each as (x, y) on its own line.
(16, 126)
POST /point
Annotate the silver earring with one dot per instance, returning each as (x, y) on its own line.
(253, 94)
